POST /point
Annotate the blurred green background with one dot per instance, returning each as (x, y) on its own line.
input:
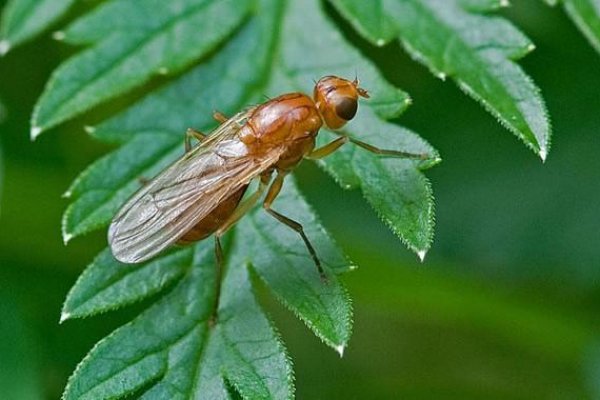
(504, 307)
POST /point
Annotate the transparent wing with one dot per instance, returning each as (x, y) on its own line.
(184, 193)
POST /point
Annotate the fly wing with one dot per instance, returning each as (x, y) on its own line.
(183, 194)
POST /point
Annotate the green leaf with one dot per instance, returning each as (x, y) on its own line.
(165, 42)
(284, 264)
(454, 39)
(396, 189)
(106, 184)
(266, 56)
(586, 15)
(108, 284)
(24, 19)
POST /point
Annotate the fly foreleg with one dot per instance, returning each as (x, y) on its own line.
(244, 206)
(339, 142)
(192, 133)
(272, 194)
(326, 150)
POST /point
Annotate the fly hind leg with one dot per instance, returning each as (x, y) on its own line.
(218, 277)
(274, 190)
(238, 213)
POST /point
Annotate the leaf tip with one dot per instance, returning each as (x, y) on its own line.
(340, 350)
(380, 42)
(504, 3)
(67, 194)
(59, 35)
(421, 254)
(163, 71)
(4, 47)
(35, 132)
(543, 154)
(89, 129)
(67, 237)
(64, 316)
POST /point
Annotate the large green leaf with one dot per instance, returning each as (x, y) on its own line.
(266, 56)
(454, 39)
(24, 19)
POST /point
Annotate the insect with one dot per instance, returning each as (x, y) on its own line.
(202, 193)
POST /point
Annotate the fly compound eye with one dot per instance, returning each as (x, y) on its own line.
(346, 108)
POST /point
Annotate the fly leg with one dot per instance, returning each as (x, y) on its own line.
(239, 212)
(218, 278)
(339, 142)
(327, 149)
(390, 153)
(219, 116)
(244, 206)
(192, 133)
(274, 190)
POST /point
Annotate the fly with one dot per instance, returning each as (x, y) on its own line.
(201, 193)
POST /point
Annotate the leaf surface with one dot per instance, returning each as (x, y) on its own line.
(166, 38)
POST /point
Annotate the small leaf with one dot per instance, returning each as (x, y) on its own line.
(103, 187)
(452, 39)
(178, 33)
(586, 15)
(396, 189)
(282, 260)
(108, 284)
(24, 19)
(158, 346)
